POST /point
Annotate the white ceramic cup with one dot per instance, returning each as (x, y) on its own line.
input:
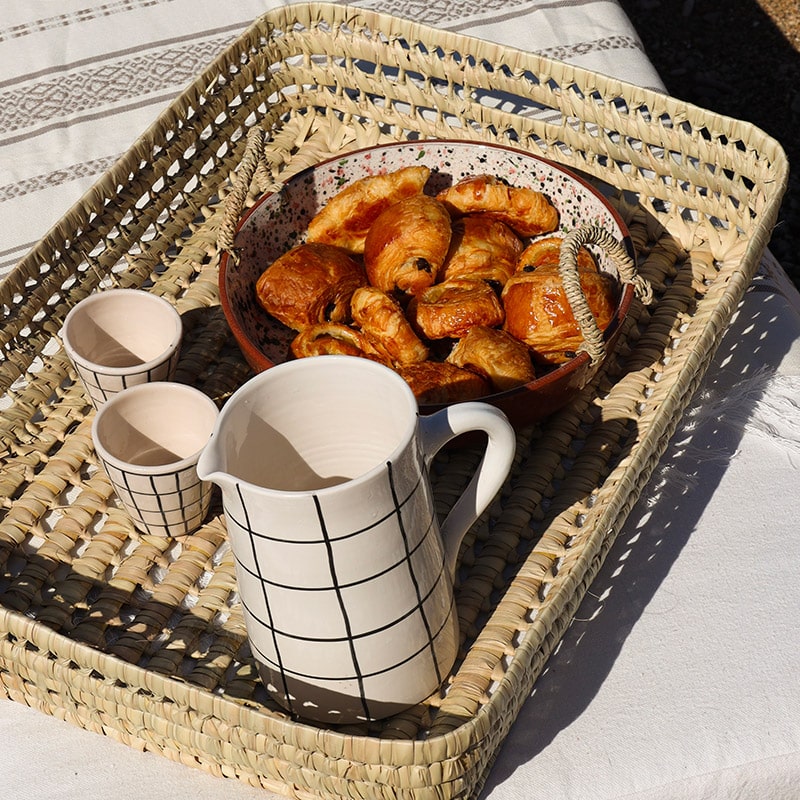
(120, 338)
(148, 439)
(344, 575)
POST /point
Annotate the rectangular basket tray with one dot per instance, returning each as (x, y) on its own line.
(142, 638)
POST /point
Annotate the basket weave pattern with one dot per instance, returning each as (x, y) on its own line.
(142, 638)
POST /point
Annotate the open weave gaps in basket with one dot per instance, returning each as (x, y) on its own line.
(142, 638)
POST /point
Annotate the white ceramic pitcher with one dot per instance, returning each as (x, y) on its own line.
(344, 575)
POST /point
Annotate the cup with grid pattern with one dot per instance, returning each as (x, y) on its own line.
(118, 338)
(148, 439)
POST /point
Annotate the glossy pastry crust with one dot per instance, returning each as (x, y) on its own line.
(434, 382)
(524, 210)
(450, 309)
(331, 338)
(444, 290)
(482, 248)
(503, 360)
(345, 219)
(407, 244)
(539, 314)
(546, 253)
(310, 283)
(386, 328)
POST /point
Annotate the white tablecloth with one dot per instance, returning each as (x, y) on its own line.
(679, 676)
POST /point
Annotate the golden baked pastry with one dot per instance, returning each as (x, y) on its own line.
(503, 360)
(331, 338)
(441, 382)
(539, 314)
(345, 219)
(308, 284)
(524, 210)
(407, 244)
(450, 309)
(546, 252)
(383, 323)
(483, 248)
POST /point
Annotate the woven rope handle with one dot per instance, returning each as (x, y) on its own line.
(593, 342)
(252, 162)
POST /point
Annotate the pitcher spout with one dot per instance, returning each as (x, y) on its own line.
(211, 466)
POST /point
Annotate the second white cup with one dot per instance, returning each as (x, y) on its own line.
(149, 439)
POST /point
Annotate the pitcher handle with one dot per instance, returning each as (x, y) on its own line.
(443, 426)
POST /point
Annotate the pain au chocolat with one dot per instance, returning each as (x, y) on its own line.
(331, 338)
(441, 382)
(538, 312)
(448, 310)
(496, 355)
(407, 244)
(385, 326)
(345, 219)
(310, 283)
(546, 253)
(526, 211)
(483, 248)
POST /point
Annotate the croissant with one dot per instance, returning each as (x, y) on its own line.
(385, 326)
(546, 253)
(524, 210)
(345, 219)
(441, 382)
(308, 284)
(482, 247)
(450, 309)
(539, 314)
(495, 354)
(407, 244)
(331, 338)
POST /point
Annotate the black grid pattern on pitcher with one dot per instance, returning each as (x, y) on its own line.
(357, 672)
(164, 500)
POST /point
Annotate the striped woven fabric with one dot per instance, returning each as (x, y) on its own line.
(78, 86)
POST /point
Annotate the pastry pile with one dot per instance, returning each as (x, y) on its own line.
(459, 292)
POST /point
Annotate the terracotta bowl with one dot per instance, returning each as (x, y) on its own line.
(278, 221)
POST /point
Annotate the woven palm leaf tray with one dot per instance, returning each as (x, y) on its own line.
(142, 638)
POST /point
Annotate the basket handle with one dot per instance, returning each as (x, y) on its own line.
(252, 163)
(593, 342)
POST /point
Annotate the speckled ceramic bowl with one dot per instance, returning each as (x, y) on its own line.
(279, 220)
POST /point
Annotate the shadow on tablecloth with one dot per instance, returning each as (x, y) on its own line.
(753, 384)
